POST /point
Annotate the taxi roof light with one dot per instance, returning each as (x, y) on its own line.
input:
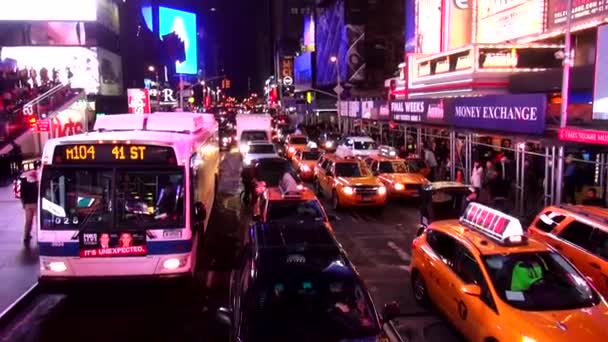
(492, 223)
(388, 151)
(289, 187)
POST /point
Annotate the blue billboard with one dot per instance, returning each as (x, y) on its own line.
(410, 26)
(184, 25)
(330, 40)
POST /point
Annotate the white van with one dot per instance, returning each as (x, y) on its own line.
(357, 146)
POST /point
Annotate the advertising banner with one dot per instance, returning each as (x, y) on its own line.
(343, 108)
(354, 109)
(183, 24)
(303, 70)
(139, 100)
(458, 25)
(583, 136)
(581, 10)
(367, 108)
(330, 41)
(523, 113)
(421, 111)
(600, 89)
(48, 10)
(428, 26)
(500, 21)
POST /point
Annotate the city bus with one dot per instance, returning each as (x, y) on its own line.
(128, 200)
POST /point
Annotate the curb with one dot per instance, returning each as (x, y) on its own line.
(26, 298)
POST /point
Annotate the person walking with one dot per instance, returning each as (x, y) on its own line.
(477, 175)
(29, 199)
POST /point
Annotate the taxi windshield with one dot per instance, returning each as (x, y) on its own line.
(309, 307)
(350, 170)
(539, 281)
(365, 145)
(298, 140)
(295, 210)
(311, 155)
(392, 167)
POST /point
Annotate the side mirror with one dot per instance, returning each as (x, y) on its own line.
(200, 212)
(390, 311)
(332, 217)
(471, 290)
(224, 316)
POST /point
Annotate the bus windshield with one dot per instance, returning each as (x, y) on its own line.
(105, 198)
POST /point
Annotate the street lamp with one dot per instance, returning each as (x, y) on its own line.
(335, 60)
(151, 68)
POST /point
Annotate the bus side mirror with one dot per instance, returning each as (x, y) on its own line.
(200, 212)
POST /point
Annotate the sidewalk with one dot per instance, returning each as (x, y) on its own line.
(18, 265)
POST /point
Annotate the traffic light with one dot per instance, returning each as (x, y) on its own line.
(309, 97)
(33, 123)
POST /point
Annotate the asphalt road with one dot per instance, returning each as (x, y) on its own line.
(378, 243)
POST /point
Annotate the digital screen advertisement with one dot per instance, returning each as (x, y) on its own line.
(309, 33)
(600, 90)
(331, 41)
(303, 69)
(66, 33)
(428, 26)
(500, 21)
(52, 10)
(184, 25)
(110, 244)
(581, 11)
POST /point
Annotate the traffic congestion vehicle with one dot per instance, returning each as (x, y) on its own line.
(294, 143)
(580, 233)
(418, 165)
(400, 180)
(304, 162)
(329, 141)
(295, 283)
(270, 171)
(256, 150)
(492, 283)
(252, 127)
(357, 146)
(348, 182)
(127, 200)
(290, 201)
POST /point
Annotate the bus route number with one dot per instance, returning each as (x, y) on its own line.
(130, 153)
(80, 152)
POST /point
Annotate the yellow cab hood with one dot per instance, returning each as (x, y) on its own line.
(585, 325)
(404, 178)
(352, 181)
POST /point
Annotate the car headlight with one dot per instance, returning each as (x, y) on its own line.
(225, 139)
(305, 168)
(244, 148)
(329, 144)
(399, 186)
(247, 161)
(292, 149)
(381, 190)
(347, 190)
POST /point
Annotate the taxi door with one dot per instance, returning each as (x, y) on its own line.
(471, 313)
(327, 181)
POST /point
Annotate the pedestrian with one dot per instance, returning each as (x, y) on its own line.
(489, 183)
(431, 162)
(477, 175)
(569, 185)
(29, 199)
(592, 198)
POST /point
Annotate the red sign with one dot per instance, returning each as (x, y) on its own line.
(584, 136)
(139, 100)
(43, 125)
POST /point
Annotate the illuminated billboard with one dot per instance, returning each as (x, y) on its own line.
(458, 24)
(600, 89)
(330, 41)
(95, 70)
(183, 24)
(309, 33)
(501, 21)
(583, 10)
(48, 10)
(428, 26)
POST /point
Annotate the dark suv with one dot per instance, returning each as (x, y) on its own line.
(295, 283)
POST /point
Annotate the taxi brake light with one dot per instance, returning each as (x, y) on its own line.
(292, 149)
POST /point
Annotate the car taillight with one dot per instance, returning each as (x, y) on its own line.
(414, 244)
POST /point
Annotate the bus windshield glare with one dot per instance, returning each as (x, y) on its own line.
(106, 198)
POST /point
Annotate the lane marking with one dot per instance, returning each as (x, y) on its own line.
(400, 252)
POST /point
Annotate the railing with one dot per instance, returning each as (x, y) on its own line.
(16, 123)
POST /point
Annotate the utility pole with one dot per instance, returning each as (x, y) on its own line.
(563, 119)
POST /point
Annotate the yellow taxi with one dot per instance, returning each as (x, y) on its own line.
(395, 174)
(580, 233)
(290, 201)
(294, 143)
(348, 182)
(304, 162)
(417, 165)
(494, 284)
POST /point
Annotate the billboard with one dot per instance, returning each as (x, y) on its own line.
(303, 70)
(330, 38)
(581, 11)
(80, 66)
(600, 89)
(108, 15)
(500, 21)
(458, 24)
(428, 26)
(309, 33)
(70, 33)
(183, 24)
(410, 26)
(48, 10)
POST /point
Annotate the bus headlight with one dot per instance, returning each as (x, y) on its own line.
(55, 266)
(399, 187)
(381, 190)
(244, 148)
(173, 263)
(347, 190)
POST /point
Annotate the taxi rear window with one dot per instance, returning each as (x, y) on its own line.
(295, 210)
(298, 140)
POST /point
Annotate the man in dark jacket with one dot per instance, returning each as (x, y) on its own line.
(29, 198)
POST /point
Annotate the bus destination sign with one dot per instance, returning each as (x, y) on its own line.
(113, 154)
